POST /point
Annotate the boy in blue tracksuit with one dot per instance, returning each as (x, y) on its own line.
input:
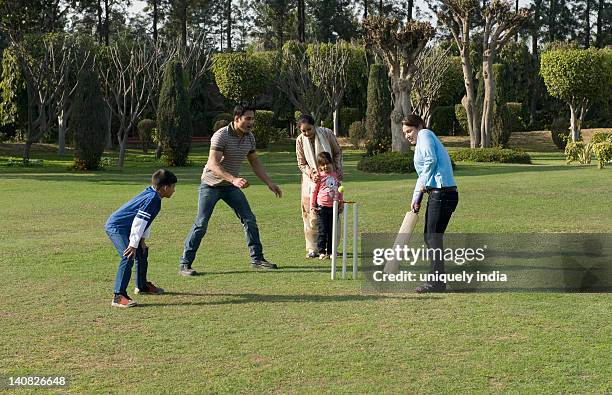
(128, 227)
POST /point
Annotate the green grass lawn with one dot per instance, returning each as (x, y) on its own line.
(294, 330)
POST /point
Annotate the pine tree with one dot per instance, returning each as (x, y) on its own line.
(173, 117)
(88, 121)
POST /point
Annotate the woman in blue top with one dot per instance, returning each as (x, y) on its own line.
(434, 167)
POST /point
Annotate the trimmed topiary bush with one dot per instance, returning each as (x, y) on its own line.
(378, 114)
(88, 121)
(220, 124)
(173, 117)
(601, 137)
(387, 162)
(515, 117)
(603, 153)
(559, 132)
(578, 152)
(223, 116)
(443, 121)
(498, 155)
(502, 126)
(348, 115)
(462, 121)
(378, 146)
(240, 76)
(357, 133)
(263, 128)
(145, 127)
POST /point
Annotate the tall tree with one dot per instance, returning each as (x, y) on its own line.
(329, 68)
(296, 81)
(458, 17)
(301, 10)
(604, 24)
(43, 61)
(500, 24)
(432, 66)
(600, 14)
(273, 22)
(228, 24)
(332, 20)
(398, 45)
(587, 25)
(89, 121)
(173, 117)
(579, 77)
(378, 110)
(123, 70)
(34, 16)
(103, 18)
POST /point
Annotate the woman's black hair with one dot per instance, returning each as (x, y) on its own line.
(305, 118)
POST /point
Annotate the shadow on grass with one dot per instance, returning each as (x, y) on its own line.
(246, 298)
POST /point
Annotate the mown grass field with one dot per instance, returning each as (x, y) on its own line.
(294, 330)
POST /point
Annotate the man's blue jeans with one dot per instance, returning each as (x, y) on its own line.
(208, 198)
(124, 272)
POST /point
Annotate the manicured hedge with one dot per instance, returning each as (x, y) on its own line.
(443, 121)
(499, 155)
(388, 162)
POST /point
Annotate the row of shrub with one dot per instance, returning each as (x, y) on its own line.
(388, 162)
(581, 152)
(496, 154)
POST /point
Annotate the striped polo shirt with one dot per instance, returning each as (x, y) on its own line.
(235, 149)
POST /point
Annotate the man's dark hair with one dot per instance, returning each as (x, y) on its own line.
(242, 108)
(323, 158)
(414, 121)
(163, 177)
(305, 118)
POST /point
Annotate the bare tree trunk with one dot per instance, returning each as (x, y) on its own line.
(26, 151)
(28, 144)
(184, 23)
(587, 26)
(380, 7)
(365, 9)
(409, 8)
(336, 122)
(574, 123)
(470, 100)
(106, 24)
(516, 9)
(486, 125)
(229, 25)
(62, 120)
(600, 15)
(100, 23)
(552, 18)
(122, 136)
(301, 21)
(109, 133)
(155, 17)
(158, 151)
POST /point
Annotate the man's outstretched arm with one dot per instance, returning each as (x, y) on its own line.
(261, 173)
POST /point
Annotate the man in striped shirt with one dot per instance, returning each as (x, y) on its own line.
(221, 180)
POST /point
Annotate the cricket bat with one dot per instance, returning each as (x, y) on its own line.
(403, 236)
